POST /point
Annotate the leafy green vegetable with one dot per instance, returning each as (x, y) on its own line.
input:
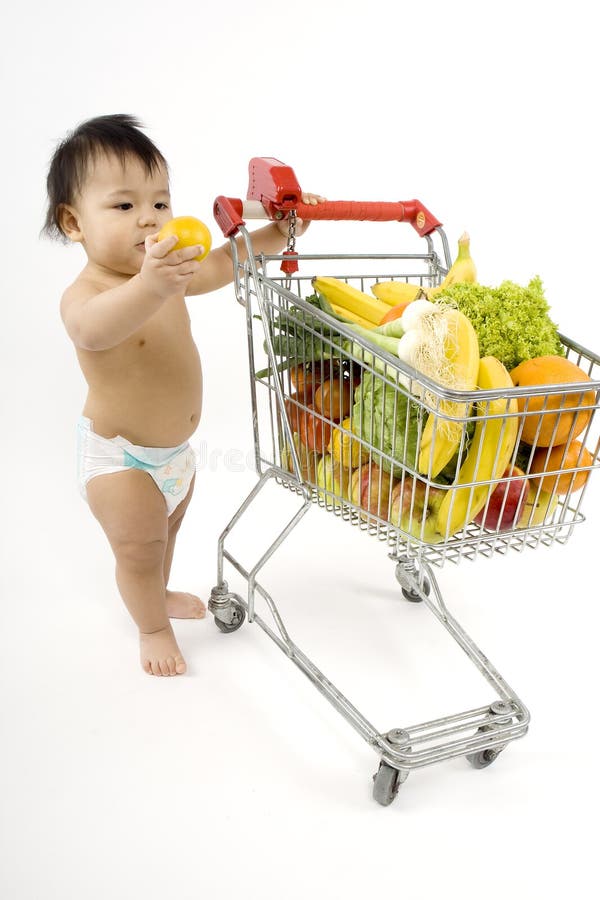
(512, 322)
(385, 418)
(388, 420)
(300, 337)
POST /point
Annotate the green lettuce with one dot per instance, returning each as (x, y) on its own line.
(512, 322)
(387, 420)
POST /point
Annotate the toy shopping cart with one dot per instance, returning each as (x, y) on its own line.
(342, 425)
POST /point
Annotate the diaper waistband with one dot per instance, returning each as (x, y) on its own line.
(154, 456)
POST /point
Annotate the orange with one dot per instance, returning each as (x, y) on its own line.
(554, 427)
(190, 231)
(395, 312)
(567, 456)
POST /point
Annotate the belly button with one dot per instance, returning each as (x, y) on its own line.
(192, 417)
(142, 342)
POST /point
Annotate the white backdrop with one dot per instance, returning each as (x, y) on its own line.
(487, 114)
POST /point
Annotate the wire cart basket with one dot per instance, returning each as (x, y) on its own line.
(356, 452)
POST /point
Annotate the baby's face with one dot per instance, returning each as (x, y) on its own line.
(118, 207)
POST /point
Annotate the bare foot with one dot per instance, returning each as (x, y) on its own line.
(160, 654)
(184, 606)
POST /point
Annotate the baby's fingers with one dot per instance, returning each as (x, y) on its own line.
(184, 255)
(159, 249)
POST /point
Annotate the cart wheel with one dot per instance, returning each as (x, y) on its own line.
(483, 758)
(386, 784)
(413, 596)
(238, 616)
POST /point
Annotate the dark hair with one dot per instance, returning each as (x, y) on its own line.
(118, 134)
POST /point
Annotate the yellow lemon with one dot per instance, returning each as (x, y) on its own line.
(189, 231)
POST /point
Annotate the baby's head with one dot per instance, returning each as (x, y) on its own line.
(117, 136)
(107, 182)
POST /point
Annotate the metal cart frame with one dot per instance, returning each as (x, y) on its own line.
(482, 733)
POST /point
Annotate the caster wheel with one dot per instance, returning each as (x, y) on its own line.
(239, 614)
(386, 784)
(484, 758)
(413, 596)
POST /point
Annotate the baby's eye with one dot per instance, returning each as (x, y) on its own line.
(124, 206)
(161, 205)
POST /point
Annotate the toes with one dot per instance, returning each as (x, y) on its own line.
(155, 665)
(171, 666)
(180, 666)
(147, 667)
(164, 667)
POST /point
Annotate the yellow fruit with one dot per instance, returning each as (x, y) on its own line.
(552, 426)
(348, 314)
(395, 292)
(563, 457)
(345, 448)
(189, 231)
(349, 298)
(462, 271)
(441, 436)
(538, 508)
(334, 479)
(489, 454)
(308, 459)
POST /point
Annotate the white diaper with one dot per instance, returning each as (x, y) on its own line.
(171, 468)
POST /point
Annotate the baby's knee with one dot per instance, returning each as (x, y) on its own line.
(140, 556)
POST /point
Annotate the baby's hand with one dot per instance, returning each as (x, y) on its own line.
(301, 225)
(166, 273)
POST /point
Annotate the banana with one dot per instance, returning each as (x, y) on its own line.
(348, 314)
(441, 436)
(395, 292)
(350, 299)
(462, 269)
(490, 452)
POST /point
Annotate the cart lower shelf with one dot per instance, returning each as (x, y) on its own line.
(478, 734)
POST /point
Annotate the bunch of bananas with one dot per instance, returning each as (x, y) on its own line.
(349, 302)
(489, 454)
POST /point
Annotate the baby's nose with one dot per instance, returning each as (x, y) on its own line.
(148, 217)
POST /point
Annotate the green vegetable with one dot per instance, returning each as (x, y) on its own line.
(391, 329)
(300, 337)
(385, 418)
(512, 322)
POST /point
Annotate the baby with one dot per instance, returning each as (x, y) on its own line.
(108, 190)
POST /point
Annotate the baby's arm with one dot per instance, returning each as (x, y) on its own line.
(217, 269)
(98, 319)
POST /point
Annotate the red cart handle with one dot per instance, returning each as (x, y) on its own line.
(274, 186)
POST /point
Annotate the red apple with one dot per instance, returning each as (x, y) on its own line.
(506, 501)
(415, 509)
(371, 489)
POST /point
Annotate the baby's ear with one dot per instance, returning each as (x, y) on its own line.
(68, 222)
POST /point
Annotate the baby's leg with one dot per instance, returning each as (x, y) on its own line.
(133, 515)
(180, 605)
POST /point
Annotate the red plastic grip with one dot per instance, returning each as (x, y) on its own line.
(228, 213)
(276, 187)
(407, 211)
